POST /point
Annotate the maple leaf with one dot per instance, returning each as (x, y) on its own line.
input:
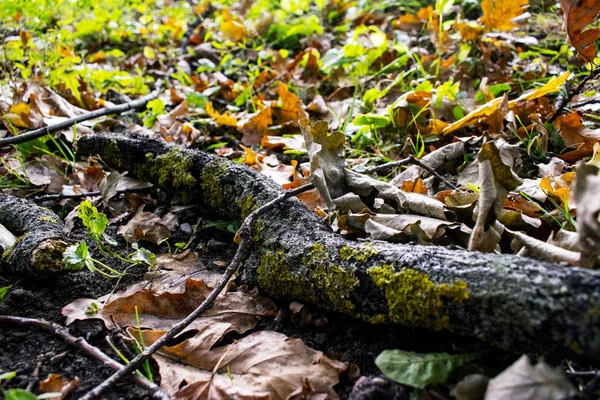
(499, 14)
(578, 15)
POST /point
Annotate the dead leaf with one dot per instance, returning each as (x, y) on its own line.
(160, 309)
(573, 131)
(232, 27)
(312, 199)
(497, 179)
(579, 14)
(523, 381)
(263, 365)
(499, 14)
(588, 212)
(326, 159)
(171, 271)
(278, 143)
(291, 110)
(56, 383)
(148, 226)
(257, 126)
(527, 246)
(225, 119)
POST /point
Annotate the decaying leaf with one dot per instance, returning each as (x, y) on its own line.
(263, 365)
(528, 246)
(326, 159)
(499, 14)
(523, 381)
(56, 383)
(160, 309)
(497, 179)
(148, 226)
(588, 212)
(579, 14)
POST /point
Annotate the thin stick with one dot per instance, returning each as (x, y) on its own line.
(46, 130)
(567, 99)
(406, 161)
(242, 249)
(79, 342)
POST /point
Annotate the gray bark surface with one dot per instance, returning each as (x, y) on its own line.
(40, 241)
(513, 302)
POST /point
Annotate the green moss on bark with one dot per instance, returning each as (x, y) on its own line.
(414, 300)
(321, 282)
(247, 205)
(361, 252)
(212, 189)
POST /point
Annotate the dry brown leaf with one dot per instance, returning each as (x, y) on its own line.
(56, 383)
(523, 381)
(499, 14)
(263, 365)
(326, 159)
(497, 179)
(160, 309)
(573, 131)
(149, 227)
(171, 271)
(312, 199)
(579, 14)
(588, 212)
(528, 246)
(278, 143)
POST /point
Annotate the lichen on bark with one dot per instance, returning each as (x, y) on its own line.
(413, 299)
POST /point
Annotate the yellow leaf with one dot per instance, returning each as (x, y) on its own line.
(489, 108)
(221, 119)
(469, 30)
(18, 114)
(232, 28)
(498, 14)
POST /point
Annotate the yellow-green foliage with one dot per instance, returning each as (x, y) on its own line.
(414, 300)
(361, 252)
(247, 205)
(212, 190)
(320, 282)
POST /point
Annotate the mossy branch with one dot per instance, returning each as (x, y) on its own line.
(514, 302)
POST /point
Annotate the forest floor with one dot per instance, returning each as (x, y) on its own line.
(501, 112)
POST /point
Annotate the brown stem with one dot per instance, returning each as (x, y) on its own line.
(567, 99)
(242, 249)
(79, 342)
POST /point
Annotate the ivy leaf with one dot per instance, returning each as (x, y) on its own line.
(419, 370)
(94, 221)
(3, 291)
(76, 256)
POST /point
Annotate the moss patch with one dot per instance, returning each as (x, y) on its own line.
(414, 300)
(48, 218)
(247, 204)
(256, 229)
(320, 282)
(360, 253)
(212, 189)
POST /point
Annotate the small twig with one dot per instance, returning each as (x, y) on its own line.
(61, 196)
(567, 99)
(46, 130)
(35, 378)
(407, 161)
(192, 27)
(79, 342)
(242, 249)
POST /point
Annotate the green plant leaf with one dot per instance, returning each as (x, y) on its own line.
(3, 291)
(144, 256)
(378, 121)
(419, 370)
(92, 219)
(19, 394)
(7, 376)
(75, 256)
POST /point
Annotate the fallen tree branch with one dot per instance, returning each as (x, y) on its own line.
(37, 252)
(516, 303)
(242, 250)
(46, 130)
(153, 390)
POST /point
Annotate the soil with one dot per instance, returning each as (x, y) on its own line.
(34, 353)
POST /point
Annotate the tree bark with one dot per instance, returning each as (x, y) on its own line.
(513, 302)
(37, 253)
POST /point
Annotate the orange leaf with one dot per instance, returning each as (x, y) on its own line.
(290, 111)
(257, 127)
(414, 187)
(578, 15)
(498, 14)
